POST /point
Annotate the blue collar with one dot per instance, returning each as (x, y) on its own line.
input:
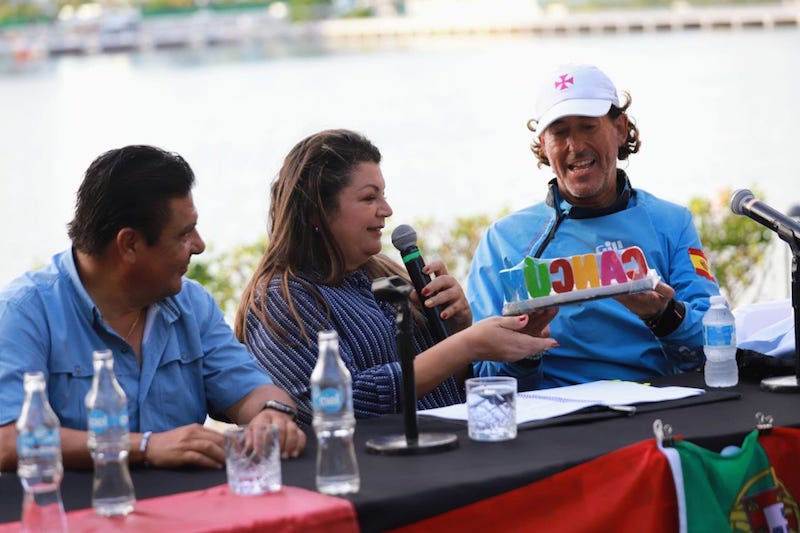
(90, 310)
(565, 209)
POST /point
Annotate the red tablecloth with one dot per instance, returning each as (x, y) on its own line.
(626, 491)
(217, 510)
(632, 486)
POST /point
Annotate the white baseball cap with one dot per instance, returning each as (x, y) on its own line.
(574, 90)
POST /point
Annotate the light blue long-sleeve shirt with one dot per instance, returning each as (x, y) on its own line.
(192, 364)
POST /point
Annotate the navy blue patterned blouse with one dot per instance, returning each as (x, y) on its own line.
(367, 344)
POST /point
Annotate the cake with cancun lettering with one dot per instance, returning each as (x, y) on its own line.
(540, 283)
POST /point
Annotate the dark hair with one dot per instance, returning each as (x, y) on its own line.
(127, 187)
(301, 246)
(630, 146)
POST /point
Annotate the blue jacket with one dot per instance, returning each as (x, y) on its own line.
(599, 339)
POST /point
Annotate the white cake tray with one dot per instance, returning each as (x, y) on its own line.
(648, 283)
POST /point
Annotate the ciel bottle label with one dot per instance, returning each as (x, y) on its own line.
(719, 335)
(39, 442)
(329, 400)
(100, 421)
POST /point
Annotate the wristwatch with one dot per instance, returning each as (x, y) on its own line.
(282, 407)
(668, 319)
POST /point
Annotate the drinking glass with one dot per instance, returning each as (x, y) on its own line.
(253, 459)
(491, 408)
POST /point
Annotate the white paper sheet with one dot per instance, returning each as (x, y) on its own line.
(766, 327)
(550, 403)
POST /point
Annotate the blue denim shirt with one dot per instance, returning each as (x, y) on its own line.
(192, 363)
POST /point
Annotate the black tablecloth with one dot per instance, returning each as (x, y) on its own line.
(402, 490)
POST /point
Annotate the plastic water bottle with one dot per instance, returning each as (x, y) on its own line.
(334, 422)
(109, 440)
(39, 464)
(719, 340)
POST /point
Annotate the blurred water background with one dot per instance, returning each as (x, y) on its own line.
(717, 111)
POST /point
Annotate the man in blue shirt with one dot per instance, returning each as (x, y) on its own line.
(121, 287)
(581, 130)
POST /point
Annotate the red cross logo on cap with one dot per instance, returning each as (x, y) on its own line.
(564, 81)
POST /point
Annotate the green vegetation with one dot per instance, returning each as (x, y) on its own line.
(16, 14)
(307, 9)
(167, 7)
(733, 244)
(228, 5)
(455, 243)
(225, 275)
(21, 12)
(298, 10)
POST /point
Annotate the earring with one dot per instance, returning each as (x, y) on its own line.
(316, 229)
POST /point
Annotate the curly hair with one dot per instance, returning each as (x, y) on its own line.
(630, 146)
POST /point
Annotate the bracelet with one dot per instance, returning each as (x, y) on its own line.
(281, 408)
(145, 440)
(531, 361)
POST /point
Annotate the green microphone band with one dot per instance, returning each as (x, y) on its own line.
(412, 255)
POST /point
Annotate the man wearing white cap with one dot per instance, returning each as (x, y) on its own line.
(580, 131)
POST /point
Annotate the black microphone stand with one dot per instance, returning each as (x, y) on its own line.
(790, 383)
(395, 290)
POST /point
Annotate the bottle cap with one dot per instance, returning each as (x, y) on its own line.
(102, 355)
(327, 335)
(717, 300)
(33, 376)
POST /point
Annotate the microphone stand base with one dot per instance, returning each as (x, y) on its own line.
(399, 445)
(780, 384)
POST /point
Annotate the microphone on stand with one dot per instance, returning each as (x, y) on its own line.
(395, 291)
(404, 238)
(744, 203)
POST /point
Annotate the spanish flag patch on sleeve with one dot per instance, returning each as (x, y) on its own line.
(700, 263)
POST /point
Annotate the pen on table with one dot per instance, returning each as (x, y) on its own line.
(629, 409)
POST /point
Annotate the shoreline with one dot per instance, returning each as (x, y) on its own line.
(206, 29)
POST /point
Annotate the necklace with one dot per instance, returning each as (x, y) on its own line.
(133, 326)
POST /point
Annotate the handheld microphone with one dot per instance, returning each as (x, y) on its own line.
(744, 203)
(404, 238)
